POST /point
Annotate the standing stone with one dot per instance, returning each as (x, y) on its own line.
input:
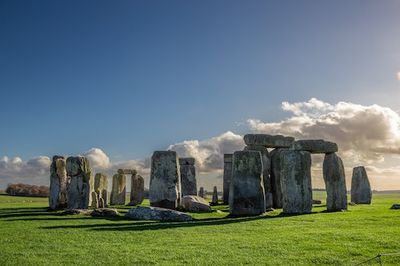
(276, 177)
(266, 162)
(78, 189)
(118, 191)
(188, 176)
(201, 192)
(101, 187)
(227, 177)
(214, 200)
(247, 194)
(335, 183)
(137, 190)
(296, 181)
(165, 187)
(360, 188)
(58, 183)
(95, 202)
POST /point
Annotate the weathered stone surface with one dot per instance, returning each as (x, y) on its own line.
(95, 203)
(395, 207)
(266, 162)
(296, 181)
(137, 190)
(247, 194)
(315, 146)
(165, 180)
(201, 192)
(188, 176)
(316, 202)
(58, 183)
(335, 183)
(126, 172)
(104, 212)
(78, 188)
(360, 188)
(214, 200)
(275, 175)
(227, 177)
(101, 187)
(76, 211)
(195, 204)
(158, 214)
(268, 141)
(118, 192)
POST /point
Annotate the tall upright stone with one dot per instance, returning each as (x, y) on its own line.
(118, 191)
(266, 163)
(335, 183)
(58, 183)
(227, 177)
(201, 192)
(137, 190)
(275, 175)
(188, 176)
(214, 200)
(78, 188)
(101, 187)
(360, 188)
(247, 194)
(296, 181)
(165, 186)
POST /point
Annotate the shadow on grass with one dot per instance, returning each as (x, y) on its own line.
(42, 214)
(135, 225)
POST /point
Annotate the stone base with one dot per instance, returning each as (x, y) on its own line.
(167, 204)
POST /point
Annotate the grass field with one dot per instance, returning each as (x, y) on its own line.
(29, 235)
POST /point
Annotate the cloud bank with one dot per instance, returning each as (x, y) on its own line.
(366, 135)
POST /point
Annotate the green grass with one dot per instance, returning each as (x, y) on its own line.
(29, 235)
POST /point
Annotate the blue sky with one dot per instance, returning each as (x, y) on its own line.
(131, 77)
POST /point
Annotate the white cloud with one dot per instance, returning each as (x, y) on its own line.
(363, 133)
(97, 158)
(209, 153)
(398, 75)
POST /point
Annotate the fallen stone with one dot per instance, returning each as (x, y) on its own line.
(316, 202)
(58, 183)
(227, 177)
(247, 194)
(195, 204)
(314, 146)
(158, 214)
(188, 176)
(296, 181)
(165, 188)
(137, 190)
(360, 188)
(268, 141)
(395, 207)
(76, 211)
(104, 212)
(335, 183)
(118, 192)
(78, 188)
